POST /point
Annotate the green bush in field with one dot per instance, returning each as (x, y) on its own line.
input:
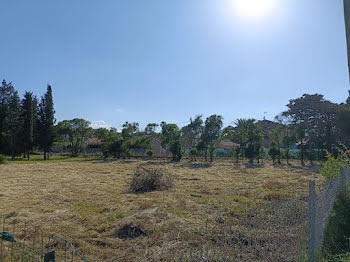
(193, 153)
(2, 159)
(331, 168)
(336, 241)
(149, 153)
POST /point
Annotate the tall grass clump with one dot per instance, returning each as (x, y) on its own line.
(148, 179)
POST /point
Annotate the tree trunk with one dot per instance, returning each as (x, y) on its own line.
(302, 157)
(28, 156)
(44, 154)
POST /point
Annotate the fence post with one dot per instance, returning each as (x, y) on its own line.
(312, 222)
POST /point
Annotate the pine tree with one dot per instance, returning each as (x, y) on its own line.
(14, 124)
(6, 91)
(46, 122)
(28, 123)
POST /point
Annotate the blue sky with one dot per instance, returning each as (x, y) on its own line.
(113, 61)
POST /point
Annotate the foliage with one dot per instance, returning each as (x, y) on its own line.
(313, 119)
(150, 153)
(192, 132)
(2, 159)
(337, 233)
(129, 130)
(288, 140)
(277, 138)
(262, 153)
(235, 153)
(118, 148)
(211, 134)
(274, 152)
(171, 137)
(148, 179)
(193, 153)
(150, 129)
(249, 134)
(28, 116)
(75, 133)
(14, 124)
(142, 143)
(6, 92)
(46, 120)
(331, 168)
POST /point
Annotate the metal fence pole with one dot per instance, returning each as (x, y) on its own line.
(312, 222)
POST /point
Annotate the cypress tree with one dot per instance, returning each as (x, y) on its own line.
(46, 122)
(14, 124)
(28, 123)
(6, 91)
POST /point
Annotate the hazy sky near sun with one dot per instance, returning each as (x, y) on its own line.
(113, 61)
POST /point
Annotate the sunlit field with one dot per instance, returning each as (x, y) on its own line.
(88, 201)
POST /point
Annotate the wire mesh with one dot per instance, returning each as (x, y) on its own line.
(21, 241)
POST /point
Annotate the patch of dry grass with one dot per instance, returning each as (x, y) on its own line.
(88, 202)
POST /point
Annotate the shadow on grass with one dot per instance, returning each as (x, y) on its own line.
(253, 165)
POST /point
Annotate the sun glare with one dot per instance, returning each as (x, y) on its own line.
(253, 9)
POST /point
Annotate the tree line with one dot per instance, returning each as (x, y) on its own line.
(312, 123)
(25, 123)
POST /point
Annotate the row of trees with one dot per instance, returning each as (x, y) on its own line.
(25, 123)
(311, 122)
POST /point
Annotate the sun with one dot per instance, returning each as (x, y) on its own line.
(254, 9)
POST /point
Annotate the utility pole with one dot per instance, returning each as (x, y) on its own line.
(347, 27)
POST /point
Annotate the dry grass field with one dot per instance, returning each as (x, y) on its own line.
(88, 201)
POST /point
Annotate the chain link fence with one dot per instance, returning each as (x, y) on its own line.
(320, 208)
(287, 230)
(20, 241)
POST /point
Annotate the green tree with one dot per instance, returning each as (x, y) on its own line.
(150, 129)
(235, 152)
(46, 120)
(343, 121)
(277, 137)
(129, 130)
(313, 119)
(193, 154)
(240, 133)
(14, 124)
(75, 133)
(253, 139)
(28, 110)
(212, 133)
(192, 132)
(171, 137)
(274, 152)
(6, 92)
(288, 140)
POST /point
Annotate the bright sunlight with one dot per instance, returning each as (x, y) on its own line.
(254, 9)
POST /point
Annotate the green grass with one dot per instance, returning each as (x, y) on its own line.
(54, 158)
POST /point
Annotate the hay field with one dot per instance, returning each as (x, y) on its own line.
(88, 201)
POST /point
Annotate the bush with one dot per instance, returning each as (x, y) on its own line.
(148, 179)
(149, 153)
(331, 168)
(2, 159)
(336, 241)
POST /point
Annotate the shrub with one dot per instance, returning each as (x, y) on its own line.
(2, 159)
(193, 153)
(331, 168)
(150, 153)
(148, 179)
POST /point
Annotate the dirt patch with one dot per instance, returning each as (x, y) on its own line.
(130, 232)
